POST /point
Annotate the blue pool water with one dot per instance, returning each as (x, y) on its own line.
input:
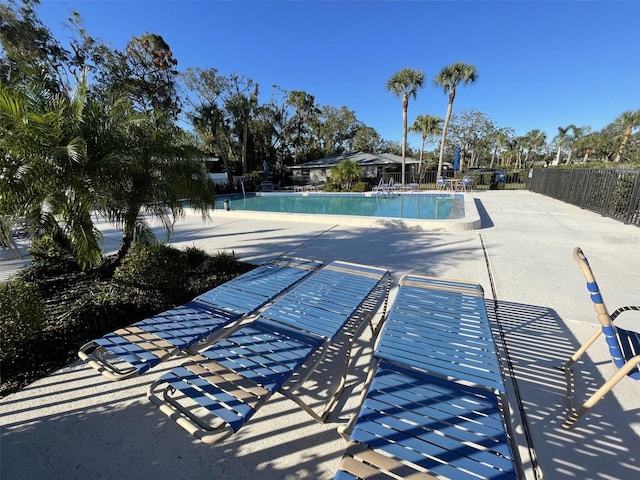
(407, 206)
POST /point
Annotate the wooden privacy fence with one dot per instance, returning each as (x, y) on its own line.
(609, 192)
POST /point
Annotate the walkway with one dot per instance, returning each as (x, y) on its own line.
(75, 424)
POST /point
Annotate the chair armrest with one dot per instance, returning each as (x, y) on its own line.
(623, 309)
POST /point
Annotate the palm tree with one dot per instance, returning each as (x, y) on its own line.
(576, 134)
(153, 177)
(588, 143)
(533, 141)
(346, 172)
(66, 156)
(560, 139)
(513, 146)
(499, 138)
(449, 78)
(427, 126)
(44, 174)
(628, 120)
(405, 83)
(241, 106)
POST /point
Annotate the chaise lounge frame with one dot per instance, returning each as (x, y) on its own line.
(434, 403)
(216, 392)
(133, 350)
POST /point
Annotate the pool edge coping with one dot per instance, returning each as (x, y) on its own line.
(471, 220)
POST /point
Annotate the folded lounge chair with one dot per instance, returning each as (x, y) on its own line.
(133, 350)
(383, 186)
(624, 345)
(466, 184)
(219, 390)
(433, 405)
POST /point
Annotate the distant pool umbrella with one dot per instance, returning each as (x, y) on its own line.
(265, 172)
(456, 160)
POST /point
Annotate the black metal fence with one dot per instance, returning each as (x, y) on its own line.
(483, 179)
(609, 192)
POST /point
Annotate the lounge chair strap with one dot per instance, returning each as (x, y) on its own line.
(363, 462)
(351, 271)
(444, 285)
(217, 374)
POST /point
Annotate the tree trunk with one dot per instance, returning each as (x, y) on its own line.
(125, 246)
(420, 164)
(128, 232)
(225, 161)
(625, 139)
(557, 160)
(244, 146)
(405, 107)
(444, 137)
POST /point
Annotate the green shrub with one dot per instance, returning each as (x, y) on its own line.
(112, 307)
(360, 187)
(222, 264)
(332, 187)
(195, 256)
(21, 314)
(157, 267)
(48, 258)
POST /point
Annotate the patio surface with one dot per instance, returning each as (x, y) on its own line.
(75, 424)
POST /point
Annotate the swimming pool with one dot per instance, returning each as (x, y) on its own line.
(416, 206)
(429, 211)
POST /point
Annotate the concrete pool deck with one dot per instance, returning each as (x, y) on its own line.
(76, 424)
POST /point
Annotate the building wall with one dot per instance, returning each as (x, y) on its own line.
(322, 175)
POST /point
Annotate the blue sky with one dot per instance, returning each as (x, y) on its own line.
(541, 64)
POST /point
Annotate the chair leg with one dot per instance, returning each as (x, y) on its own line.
(601, 392)
(574, 358)
(345, 430)
(361, 322)
(567, 368)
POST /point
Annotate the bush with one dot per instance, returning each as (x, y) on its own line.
(361, 187)
(81, 306)
(21, 314)
(49, 258)
(195, 256)
(331, 187)
(109, 308)
(223, 263)
(156, 267)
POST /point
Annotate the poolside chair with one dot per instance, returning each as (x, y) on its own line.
(624, 345)
(466, 184)
(383, 186)
(441, 183)
(214, 394)
(434, 401)
(135, 349)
